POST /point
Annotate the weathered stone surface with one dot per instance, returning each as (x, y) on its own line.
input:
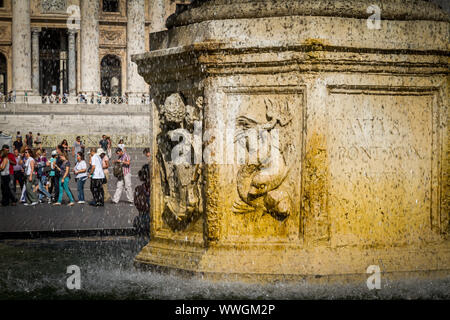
(90, 68)
(354, 121)
(204, 10)
(21, 46)
(135, 44)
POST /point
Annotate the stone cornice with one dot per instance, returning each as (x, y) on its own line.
(242, 9)
(214, 58)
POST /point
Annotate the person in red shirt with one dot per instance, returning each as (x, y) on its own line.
(12, 159)
(12, 163)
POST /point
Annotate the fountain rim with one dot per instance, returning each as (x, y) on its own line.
(200, 11)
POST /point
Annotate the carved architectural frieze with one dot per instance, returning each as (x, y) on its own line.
(112, 37)
(5, 33)
(53, 6)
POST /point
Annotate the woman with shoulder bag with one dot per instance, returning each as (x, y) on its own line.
(81, 176)
(64, 181)
(31, 195)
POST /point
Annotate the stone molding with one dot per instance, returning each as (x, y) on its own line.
(220, 59)
(236, 9)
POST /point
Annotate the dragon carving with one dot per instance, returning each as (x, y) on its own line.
(259, 184)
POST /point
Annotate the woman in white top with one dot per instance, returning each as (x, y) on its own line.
(31, 180)
(81, 175)
(7, 196)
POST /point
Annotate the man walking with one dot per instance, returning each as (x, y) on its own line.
(125, 161)
(97, 177)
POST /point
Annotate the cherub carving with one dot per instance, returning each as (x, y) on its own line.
(180, 179)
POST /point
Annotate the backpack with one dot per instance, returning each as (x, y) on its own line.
(117, 171)
(40, 169)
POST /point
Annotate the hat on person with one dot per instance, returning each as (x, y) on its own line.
(54, 153)
(100, 151)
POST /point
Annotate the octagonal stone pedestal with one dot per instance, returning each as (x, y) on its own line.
(314, 144)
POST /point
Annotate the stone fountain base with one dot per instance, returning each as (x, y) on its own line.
(297, 139)
(293, 263)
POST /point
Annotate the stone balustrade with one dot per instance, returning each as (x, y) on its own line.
(55, 122)
(81, 99)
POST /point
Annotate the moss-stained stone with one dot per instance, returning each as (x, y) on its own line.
(357, 121)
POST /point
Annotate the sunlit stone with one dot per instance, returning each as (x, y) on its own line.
(354, 121)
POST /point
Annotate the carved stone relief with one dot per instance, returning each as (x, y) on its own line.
(3, 30)
(113, 37)
(53, 6)
(260, 182)
(5, 33)
(180, 177)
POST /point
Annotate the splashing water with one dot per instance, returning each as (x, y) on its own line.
(36, 269)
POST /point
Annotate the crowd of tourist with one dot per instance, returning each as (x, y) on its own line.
(45, 178)
(9, 97)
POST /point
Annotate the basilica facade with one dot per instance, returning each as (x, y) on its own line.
(76, 46)
(74, 49)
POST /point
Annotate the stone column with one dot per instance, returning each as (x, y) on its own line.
(136, 85)
(157, 15)
(35, 32)
(21, 48)
(90, 68)
(72, 63)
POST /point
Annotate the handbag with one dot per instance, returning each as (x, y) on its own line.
(117, 171)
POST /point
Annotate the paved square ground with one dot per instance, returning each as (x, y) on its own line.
(81, 217)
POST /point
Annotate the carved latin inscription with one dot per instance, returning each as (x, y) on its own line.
(380, 166)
